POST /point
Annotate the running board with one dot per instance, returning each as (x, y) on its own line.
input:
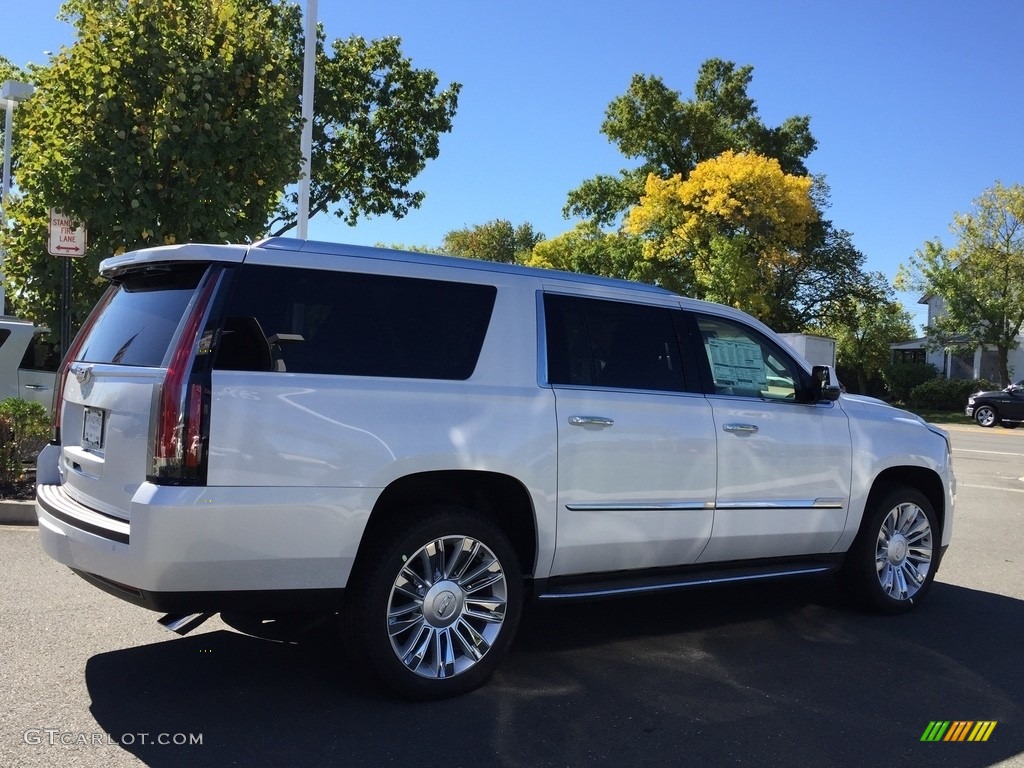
(183, 623)
(603, 586)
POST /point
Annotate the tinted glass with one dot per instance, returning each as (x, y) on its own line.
(41, 355)
(746, 364)
(314, 321)
(138, 324)
(592, 342)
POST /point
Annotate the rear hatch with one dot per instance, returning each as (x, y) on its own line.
(125, 415)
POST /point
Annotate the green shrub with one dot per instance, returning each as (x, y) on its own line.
(900, 378)
(24, 431)
(946, 395)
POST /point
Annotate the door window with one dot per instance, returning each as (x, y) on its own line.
(611, 344)
(745, 363)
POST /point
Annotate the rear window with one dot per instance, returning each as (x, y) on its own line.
(138, 324)
(316, 321)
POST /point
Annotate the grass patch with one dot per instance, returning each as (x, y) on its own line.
(944, 417)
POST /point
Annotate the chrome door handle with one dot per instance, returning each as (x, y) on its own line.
(583, 421)
(740, 429)
(36, 386)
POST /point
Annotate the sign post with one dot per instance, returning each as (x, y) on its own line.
(67, 239)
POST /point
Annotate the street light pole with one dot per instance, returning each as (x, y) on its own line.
(11, 92)
(306, 144)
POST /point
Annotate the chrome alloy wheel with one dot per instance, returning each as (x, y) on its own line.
(903, 553)
(447, 606)
(985, 416)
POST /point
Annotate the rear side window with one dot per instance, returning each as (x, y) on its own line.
(317, 321)
(598, 343)
(139, 322)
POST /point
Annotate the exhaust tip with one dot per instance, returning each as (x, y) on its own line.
(183, 623)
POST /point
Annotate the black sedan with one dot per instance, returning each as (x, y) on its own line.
(1005, 406)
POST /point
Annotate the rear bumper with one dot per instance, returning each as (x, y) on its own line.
(56, 504)
(249, 601)
(210, 549)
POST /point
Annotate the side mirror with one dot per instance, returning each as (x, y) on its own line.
(822, 386)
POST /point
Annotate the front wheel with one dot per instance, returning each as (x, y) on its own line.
(892, 563)
(433, 609)
(986, 416)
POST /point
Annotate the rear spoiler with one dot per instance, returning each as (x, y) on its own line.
(171, 254)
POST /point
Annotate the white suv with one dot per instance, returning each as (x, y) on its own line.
(28, 361)
(417, 444)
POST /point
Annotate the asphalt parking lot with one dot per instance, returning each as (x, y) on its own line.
(781, 674)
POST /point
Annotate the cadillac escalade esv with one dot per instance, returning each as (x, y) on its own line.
(417, 444)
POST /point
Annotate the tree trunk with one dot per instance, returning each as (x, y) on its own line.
(1004, 365)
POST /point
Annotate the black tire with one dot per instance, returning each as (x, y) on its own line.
(452, 585)
(892, 563)
(986, 416)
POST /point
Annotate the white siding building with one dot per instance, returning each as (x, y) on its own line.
(979, 363)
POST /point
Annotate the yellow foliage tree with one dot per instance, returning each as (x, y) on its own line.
(739, 223)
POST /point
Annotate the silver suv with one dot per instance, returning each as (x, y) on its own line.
(416, 444)
(28, 361)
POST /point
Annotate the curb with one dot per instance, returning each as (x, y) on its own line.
(18, 512)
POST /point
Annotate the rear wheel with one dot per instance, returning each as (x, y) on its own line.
(891, 565)
(986, 416)
(433, 610)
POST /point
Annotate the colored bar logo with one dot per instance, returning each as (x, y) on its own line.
(959, 730)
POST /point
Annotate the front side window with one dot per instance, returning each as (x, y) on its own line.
(745, 363)
(318, 321)
(614, 344)
(41, 355)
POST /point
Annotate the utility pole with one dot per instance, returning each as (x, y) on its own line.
(306, 144)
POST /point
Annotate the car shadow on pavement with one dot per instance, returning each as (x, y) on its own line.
(783, 674)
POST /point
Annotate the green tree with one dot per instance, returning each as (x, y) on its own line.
(864, 326)
(829, 269)
(979, 278)
(669, 136)
(496, 240)
(176, 120)
(377, 122)
(589, 250)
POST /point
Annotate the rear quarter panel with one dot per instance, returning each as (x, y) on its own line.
(316, 431)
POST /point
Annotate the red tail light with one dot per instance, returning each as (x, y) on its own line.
(178, 429)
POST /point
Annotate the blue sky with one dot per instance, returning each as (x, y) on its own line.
(918, 107)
